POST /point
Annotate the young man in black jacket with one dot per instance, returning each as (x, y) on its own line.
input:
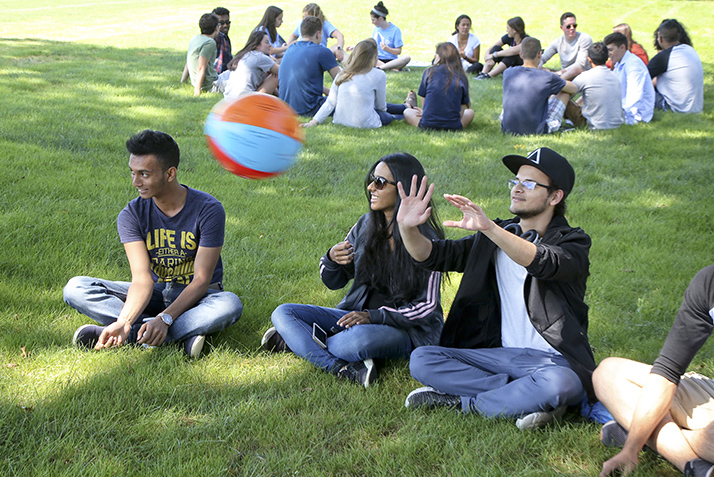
(515, 342)
(671, 412)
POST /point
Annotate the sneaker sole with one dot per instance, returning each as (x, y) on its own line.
(371, 377)
(541, 419)
(196, 347)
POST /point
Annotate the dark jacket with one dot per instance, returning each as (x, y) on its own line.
(422, 319)
(554, 293)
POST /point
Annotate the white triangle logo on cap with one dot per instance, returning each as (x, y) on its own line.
(535, 159)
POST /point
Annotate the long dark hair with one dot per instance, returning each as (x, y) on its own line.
(392, 271)
(450, 59)
(458, 20)
(253, 42)
(268, 21)
(672, 31)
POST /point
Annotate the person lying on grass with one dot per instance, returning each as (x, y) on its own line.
(393, 306)
(172, 237)
(515, 343)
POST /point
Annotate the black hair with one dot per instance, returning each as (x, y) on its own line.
(458, 20)
(391, 271)
(671, 31)
(156, 143)
(598, 53)
(220, 11)
(381, 9)
(268, 21)
(617, 39)
(565, 16)
(253, 42)
(208, 23)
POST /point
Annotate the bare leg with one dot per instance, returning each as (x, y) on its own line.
(497, 70)
(487, 66)
(618, 384)
(269, 85)
(467, 115)
(412, 116)
(397, 64)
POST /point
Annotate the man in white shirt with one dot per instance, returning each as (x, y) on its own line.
(637, 91)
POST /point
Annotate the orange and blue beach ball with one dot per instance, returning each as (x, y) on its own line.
(256, 136)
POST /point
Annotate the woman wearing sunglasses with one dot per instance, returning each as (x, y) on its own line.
(391, 308)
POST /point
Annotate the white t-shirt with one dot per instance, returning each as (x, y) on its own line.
(250, 73)
(517, 331)
(471, 45)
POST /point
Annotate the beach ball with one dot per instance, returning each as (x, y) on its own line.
(255, 136)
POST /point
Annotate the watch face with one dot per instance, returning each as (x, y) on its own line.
(166, 319)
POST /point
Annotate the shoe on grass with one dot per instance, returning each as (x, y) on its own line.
(613, 434)
(699, 468)
(87, 336)
(411, 100)
(194, 345)
(483, 76)
(272, 341)
(428, 397)
(536, 420)
(361, 372)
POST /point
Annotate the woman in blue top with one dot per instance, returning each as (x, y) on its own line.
(271, 21)
(328, 31)
(444, 93)
(389, 40)
(393, 305)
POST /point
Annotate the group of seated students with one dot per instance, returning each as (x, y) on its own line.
(515, 344)
(535, 99)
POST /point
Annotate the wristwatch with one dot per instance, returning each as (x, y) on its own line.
(166, 318)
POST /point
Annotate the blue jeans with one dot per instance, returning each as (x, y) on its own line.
(359, 342)
(394, 111)
(103, 300)
(506, 382)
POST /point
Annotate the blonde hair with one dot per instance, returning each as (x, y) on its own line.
(625, 29)
(360, 62)
(314, 10)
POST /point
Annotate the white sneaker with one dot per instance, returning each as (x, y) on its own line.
(536, 420)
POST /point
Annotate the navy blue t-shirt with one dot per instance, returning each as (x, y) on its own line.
(442, 106)
(525, 99)
(301, 74)
(172, 242)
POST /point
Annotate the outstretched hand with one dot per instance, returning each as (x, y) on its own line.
(621, 462)
(474, 217)
(414, 209)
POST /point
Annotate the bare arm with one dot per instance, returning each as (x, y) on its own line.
(570, 88)
(652, 406)
(200, 74)
(521, 251)
(154, 332)
(137, 298)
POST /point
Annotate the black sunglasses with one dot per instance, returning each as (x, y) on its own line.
(380, 182)
(572, 27)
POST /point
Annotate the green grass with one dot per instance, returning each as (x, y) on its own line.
(76, 80)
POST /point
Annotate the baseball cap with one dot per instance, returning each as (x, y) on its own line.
(552, 164)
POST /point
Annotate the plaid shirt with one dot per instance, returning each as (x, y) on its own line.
(224, 56)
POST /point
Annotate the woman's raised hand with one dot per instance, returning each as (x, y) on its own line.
(414, 209)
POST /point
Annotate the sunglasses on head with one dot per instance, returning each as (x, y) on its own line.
(380, 182)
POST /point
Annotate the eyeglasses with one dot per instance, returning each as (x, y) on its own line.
(571, 27)
(380, 182)
(527, 184)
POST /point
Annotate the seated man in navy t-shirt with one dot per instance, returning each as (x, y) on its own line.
(302, 69)
(533, 99)
(172, 236)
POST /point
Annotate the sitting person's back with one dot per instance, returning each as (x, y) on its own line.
(677, 71)
(600, 106)
(527, 91)
(302, 69)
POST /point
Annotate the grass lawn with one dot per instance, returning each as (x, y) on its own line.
(78, 78)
